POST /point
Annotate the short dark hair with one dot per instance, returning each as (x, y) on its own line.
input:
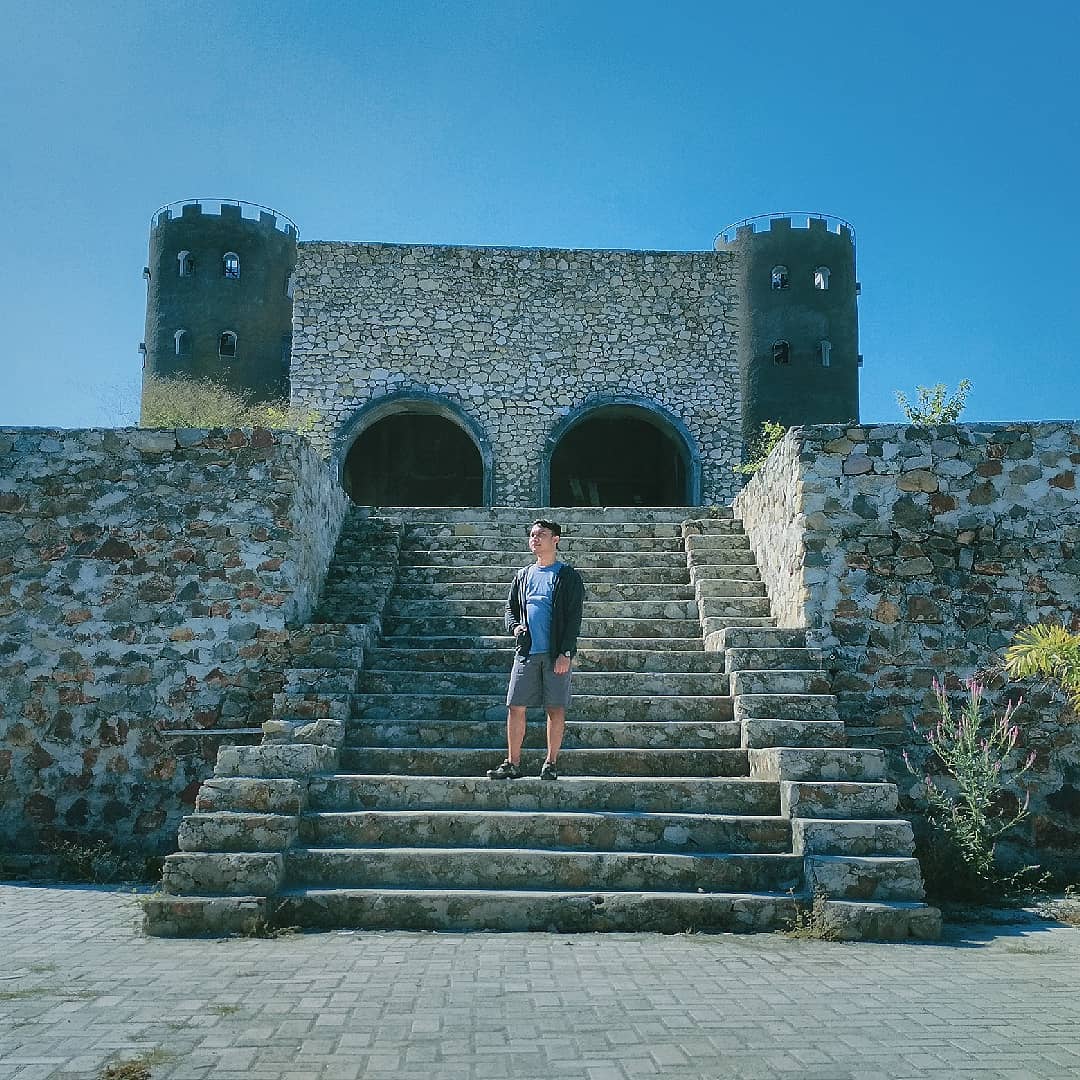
(551, 526)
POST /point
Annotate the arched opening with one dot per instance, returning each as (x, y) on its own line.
(621, 455)
(414, 459)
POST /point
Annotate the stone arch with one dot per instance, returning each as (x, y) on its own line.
(638, 417)
(411, 415)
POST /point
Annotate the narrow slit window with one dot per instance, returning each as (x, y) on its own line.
(180, 342)
(780, 279)
(227, 344)
(821, 278)
(231, 263)
(825, 352)
(781, 352)
(186, 263)
(289, 284)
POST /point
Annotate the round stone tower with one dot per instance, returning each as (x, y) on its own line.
(798, 319)
(219, 294)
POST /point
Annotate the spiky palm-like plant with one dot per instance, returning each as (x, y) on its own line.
(1050, 652)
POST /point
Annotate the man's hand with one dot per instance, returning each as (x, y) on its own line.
(562, 665)
(520, 629)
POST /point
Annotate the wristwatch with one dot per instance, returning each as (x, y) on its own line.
(567, 655)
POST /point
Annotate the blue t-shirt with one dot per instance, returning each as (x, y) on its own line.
(539, 589)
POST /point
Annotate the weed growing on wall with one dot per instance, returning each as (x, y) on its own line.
(933, 407)
(972, 806)
(762, 446)
(203, 403)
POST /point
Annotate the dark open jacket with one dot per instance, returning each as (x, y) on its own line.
(566, 604)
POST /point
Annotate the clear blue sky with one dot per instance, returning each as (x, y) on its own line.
(947, 132)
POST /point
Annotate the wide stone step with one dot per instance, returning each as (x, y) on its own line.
(621, 761)
(502, 640)
(772, 659)
(489, 626)
(684, 833)
(624, 683)
(450, 608)
(522, 516)
(786, 706)
(530, 868)
(583, 707)
(786, 681)
(597, 591)
(589, 734)
(500, 660)
(628, 794)
(502, 574)
(572, 547)
(517, 532)
(593, 560)
(460, 910)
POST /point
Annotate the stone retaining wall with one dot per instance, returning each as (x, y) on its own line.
(149, 583)
(517, 339)
(912, 553)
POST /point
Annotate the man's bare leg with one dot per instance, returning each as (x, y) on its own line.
(515, 732)
(556, 725)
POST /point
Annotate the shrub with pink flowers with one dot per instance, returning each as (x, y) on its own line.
(972, 796)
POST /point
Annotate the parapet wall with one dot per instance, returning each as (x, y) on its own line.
(149, 583)
(914, 553)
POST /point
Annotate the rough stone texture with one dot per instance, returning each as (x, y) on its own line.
(911, 553)
(149, 585)
(517, 339)
(246, 873)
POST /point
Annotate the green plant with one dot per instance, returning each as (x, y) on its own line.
(203, 403)
(811, 921)
(972, 808)
(933, 407)
(761, 447)
(88, 859)
(1049, 651)
(138, 1068)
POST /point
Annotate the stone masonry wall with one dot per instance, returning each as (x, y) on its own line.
(517, 339)
(918, 552)
(148, 583)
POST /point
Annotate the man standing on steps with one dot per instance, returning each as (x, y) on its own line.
(543, 612)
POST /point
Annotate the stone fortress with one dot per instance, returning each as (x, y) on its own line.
(493, 376)
(279, 661)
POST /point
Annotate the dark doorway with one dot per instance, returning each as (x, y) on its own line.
(414, 459)
(617, 460)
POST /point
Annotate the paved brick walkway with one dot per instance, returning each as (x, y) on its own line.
(80, 987)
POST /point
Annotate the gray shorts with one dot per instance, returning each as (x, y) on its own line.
(533, 683)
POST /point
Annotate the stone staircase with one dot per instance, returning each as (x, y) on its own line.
(704, 779)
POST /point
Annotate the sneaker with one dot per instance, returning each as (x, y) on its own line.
(506, 771)
(549, 772)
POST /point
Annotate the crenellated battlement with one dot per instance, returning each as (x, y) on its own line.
(784, 221)
(235, 209)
